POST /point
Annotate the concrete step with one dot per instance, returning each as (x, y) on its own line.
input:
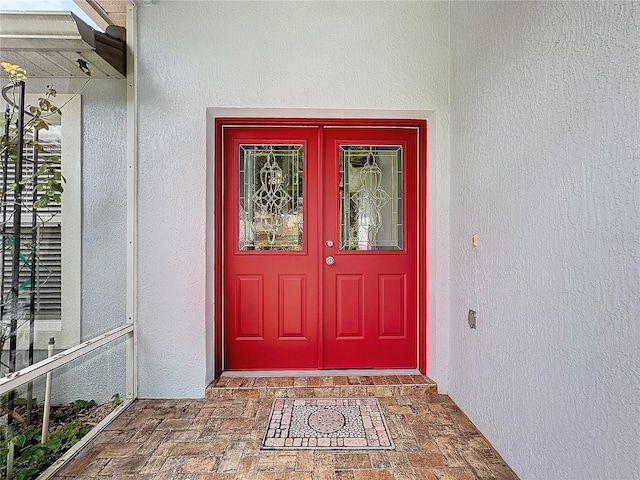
(233, 385)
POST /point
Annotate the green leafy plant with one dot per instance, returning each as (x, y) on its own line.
(33, 457)
(82, 404)
(115, 401)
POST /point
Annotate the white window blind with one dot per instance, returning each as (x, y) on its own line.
(41, 234)
(58, 241)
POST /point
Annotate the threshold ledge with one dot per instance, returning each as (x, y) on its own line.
(320, 383)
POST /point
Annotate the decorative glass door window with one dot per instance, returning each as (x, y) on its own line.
(270, 213)
(370, 197)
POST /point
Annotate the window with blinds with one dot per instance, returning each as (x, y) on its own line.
(41, 236)
(57, 243)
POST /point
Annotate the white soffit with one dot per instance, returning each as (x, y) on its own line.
(47, 44)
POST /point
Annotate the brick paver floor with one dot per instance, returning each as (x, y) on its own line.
(220, 439)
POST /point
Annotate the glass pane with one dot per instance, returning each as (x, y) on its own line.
(82, 393)
(270, 203)
(39, 282)
(370, 197)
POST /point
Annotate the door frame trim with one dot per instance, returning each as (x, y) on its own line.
(217, 120)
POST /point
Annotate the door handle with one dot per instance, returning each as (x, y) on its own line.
(330, 260)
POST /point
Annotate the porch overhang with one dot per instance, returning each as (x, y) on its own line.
(48, 44)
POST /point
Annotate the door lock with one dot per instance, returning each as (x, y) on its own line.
(330, 260)
(329, 243)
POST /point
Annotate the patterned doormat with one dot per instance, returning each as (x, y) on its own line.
(326, 424)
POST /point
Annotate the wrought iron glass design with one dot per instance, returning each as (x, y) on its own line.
(370, 197)
(270, 204)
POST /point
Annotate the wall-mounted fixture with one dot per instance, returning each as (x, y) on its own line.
(471, 318)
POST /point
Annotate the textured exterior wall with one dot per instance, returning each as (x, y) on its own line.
(301, 55)
(545, 169)
(104, 213)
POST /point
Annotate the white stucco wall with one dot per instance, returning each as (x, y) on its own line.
(545, 132)
(295, 55)
(104, 214)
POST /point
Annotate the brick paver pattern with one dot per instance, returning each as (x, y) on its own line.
(220, 439)
(326, 423)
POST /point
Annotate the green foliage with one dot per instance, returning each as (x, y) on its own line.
(47, 180)
(84, 66)
(16, 400)
(33, 457)
(82, 404)
(115, 401)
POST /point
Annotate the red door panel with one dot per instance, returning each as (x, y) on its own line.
(249, 308)
(370, 317)
(392, 310)
(292, 308)
(270, 296)
(349, 308)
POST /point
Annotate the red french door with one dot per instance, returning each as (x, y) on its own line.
(370, 268)
(271, 240)
(320, 247)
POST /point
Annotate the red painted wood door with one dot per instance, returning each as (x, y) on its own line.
(293, 197)
(370, 202)
(271, 243)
